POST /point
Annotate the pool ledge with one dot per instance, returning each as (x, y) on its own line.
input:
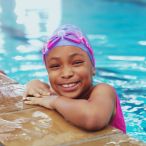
(23, 125)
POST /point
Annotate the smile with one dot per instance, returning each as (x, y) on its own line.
(70, 86)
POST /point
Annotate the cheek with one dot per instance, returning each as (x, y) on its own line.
(53, 77)
(85, 74)
(86, 70)
(89, 73)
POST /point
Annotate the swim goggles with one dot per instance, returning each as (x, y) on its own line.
(71, 37)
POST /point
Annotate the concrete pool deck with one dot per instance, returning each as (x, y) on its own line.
(24, 125)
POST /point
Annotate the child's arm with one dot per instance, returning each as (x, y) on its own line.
(37, 88)
(92, 114)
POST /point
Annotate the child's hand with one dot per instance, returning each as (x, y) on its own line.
(37, 88)
(46, 101)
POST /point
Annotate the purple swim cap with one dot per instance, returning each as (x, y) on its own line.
(69, 35)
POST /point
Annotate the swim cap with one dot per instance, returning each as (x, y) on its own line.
(69, 35)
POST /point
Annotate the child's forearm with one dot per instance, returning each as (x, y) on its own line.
(72, 110)
(77, 111)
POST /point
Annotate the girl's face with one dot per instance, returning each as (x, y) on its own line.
(70, 71)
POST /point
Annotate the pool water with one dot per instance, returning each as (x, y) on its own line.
(116, 29)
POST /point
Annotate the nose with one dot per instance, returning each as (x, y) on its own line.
(67, 72)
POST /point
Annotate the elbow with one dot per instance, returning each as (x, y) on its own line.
(92, 124)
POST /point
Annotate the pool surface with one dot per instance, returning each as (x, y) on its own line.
(116, 29)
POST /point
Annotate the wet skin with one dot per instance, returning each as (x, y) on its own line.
(70, 71)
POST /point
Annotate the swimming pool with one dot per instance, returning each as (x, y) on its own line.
(117, 32)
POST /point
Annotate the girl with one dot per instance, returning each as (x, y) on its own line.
(70, 64)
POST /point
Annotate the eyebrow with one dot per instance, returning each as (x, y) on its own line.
(76, 54)
(54, 58)
(72, 55)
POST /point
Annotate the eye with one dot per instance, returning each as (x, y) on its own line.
(54, 66)
(78, 62)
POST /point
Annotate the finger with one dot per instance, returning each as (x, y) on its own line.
(29, 102)
(32, 100)
(52, 90)
(34, 93)
(40, 91)
(37, 95)
(25, 94)
(44, 91)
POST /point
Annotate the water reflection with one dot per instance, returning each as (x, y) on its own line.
(39, 17)
(24, 32)
(35, 125)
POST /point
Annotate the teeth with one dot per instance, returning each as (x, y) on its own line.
(68, 85)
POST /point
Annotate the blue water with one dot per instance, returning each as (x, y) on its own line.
(116, 29)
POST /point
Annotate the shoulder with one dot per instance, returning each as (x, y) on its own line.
(104, 87)
(103, 90)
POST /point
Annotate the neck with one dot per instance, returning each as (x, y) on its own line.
(86, 94)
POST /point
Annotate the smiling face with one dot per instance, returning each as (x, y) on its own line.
(70, 71)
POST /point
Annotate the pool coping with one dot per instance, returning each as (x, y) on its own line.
(59, 133)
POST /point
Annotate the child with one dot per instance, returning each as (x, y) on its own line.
(70, 64)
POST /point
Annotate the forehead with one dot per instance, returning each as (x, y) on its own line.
(66, 51)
